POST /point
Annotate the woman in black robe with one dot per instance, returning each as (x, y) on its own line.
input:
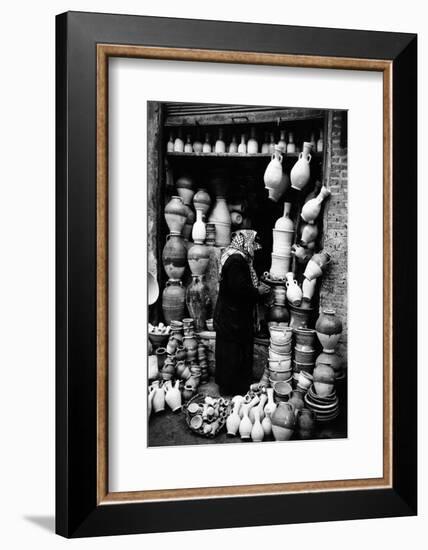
(234, 314)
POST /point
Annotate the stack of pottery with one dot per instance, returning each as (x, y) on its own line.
(210, 234)
(220, 216)
(324, 405)
(304, 356)
(197, 295)
(208, 337)
(276, 181)
(301, 317)
(277, 314)
(279, 360)
(300, 173)
(283, 233)
(203, 363)
(184, 186)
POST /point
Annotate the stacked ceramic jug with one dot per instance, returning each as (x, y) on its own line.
(174, 260)
(283, 233)
(279, 360)
(304, 356)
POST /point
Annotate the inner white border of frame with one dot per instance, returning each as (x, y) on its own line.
(132, 465)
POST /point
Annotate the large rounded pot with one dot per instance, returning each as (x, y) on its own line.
(175, 215)
(184, 186)
(202, 201)
(283, 421)
(305, 338)
(301, 172)
(198, 257)
(329, 328)
(300, 317)
(324, 379)
(273, 177)
(280, 336)
(278, 314)
(173, 301)
(174, 256)
(332, 360)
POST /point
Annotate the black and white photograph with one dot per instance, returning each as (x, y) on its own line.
(247, 273)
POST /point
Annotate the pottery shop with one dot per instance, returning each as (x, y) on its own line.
(247, 282)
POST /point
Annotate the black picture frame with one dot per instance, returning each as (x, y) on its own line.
(78, 513)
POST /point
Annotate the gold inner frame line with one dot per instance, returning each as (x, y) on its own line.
(104, 51)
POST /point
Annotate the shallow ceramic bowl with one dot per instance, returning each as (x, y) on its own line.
(275, 376)
(158, 340)
(277, 356)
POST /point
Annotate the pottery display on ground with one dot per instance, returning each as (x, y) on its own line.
(283, 422)
(300, 173)
(202, 201)
(233, 420)
(316, 265)
(175, 215)
(257, 432)
(329, 328)
(273, 179)
(325, 408)
(184, 186)
(312, 208)
(174, 256)
(245, 426)
(173, 301)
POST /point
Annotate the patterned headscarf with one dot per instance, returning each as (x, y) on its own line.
(244, 243)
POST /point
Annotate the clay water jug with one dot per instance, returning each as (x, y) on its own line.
(175, 215)
(184, 186)
(308, 289)
(188, 148)
(324, 380)
(267, 425)
(300, 317)
(198, 302)
(291, 147)
(170, 144)
(317, 265)
(320, 142)
(242, 147)
(273, 179)
(199, 231)
(270, 405)
(309, 233)
(198, 258)
(257, 433)
(283, 421)
(206, 147)
(178, 143)
(233, 420)
(220, 217)
(174, 256)
(294, 292)
(173, 301)
(282, 145)
(283, 233)
(202, 201)
(252, 145)
(220, 146)
(265, 145)
(173, 396)
(312, 208)
(233, 147)
(188, 226)
(197, 146)
(329, 328)
(245, 425)
(158, 402)
(300, 173)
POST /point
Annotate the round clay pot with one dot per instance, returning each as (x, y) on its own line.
(198, 257)
(278, 314)
(329, 328)
(281, 365)
(173, 301)
(300, 317)
(285, 348)
(305, 338)
(300, 173)
(202, 201)
(282, 391)
(296, 399)
(333, 360)
(324, 379)
(304, 356)
(184, 186)
(305, 419)
(283, 421)
(174, 256)
(280, 376)
(175, 215)
(278, 356)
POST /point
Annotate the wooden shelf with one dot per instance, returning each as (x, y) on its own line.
(235, 155)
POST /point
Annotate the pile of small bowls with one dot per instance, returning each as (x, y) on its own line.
(304, 350)
(325, 408)
(279, 361)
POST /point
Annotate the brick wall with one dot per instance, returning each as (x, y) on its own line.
(333, 292)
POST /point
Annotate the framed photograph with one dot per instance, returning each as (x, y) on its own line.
(236, 221)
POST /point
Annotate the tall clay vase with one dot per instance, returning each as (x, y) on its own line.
(173, 397)
(300, 173)
(309, 233)
(173, 301)
(267, 425)
(324, 380)
(234, 419)
(184, 186)
(158, 401)
(283, 421)
(174, 256)
(175, 215)
(294, 292)
(198, 301)
(283, 233)
(273, 177)
(220, 217)
(202, 201)
(308, 289)
(311, 209)
(198, 258)
(257, 432)
(199, 231)
(245, 426)
(270, 405)
(329, 328)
